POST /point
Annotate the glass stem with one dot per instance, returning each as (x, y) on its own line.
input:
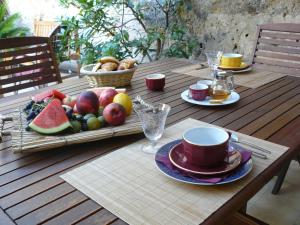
(153, 144)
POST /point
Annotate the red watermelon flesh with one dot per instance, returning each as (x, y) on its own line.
(51, 120)
(47, 94)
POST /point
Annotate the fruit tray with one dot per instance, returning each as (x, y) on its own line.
(29, 141)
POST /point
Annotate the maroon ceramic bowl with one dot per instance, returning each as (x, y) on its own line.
(198, 91)
(205, 146)
(155, 82)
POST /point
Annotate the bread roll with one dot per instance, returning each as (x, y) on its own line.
(107, 59)
(109, 66)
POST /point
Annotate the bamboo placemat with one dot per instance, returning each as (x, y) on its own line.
(127, 183)
(30, 141)
(252, 79)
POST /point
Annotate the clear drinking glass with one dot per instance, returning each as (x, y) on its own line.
(153, 121)
(213, 60)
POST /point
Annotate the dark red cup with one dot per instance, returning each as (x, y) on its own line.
(155, 82)
(205, 146)
(198, 91)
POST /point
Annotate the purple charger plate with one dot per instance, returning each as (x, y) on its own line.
(177, 175)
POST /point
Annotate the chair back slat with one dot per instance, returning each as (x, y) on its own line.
(7, 43)
(38, 74)
(278, 48)
(24, 51)
(25, 68)
(26, 59)
(281, 27)
(26, 62)
(290, 36)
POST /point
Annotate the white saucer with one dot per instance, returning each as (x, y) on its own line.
(241, 71)
(234, 97)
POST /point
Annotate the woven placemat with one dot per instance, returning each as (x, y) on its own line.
(252, 79)
(127, 183)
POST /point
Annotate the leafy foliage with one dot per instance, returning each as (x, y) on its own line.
(9, 24)
(148, 29)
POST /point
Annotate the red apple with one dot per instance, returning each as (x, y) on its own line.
(107, 97)
(87, 102)
(114, 114)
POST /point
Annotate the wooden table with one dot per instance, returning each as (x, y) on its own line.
(31, 191)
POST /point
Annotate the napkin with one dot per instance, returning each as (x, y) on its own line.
(164, 159)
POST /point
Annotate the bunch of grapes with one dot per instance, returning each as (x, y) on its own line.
(32, 109)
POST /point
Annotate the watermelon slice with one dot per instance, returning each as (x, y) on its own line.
(51, 120)
(48, 94)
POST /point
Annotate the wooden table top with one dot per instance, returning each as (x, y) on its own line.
(31, 191)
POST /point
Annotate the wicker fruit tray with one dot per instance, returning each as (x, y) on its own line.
(30, 141)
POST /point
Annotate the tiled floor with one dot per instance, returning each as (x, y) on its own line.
(281, 209)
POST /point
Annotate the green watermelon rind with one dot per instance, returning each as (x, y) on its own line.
(52, 130)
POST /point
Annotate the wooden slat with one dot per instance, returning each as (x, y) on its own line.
(274, 62)
(283, 27)
(101, 217)
(39, 200)
(278, 123)
(278, 55)
(20, 69)
(32, 76)
(289, 36)
(269, 116)
(52, 209)
(24, 59)
(280, 42)
(279, 49)
(22, 52)
(76, 214)
(4, 219)
(21, 42)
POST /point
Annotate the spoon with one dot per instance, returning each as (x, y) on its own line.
(235, 138)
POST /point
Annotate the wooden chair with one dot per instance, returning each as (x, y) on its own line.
(277, 49)
(26, 62)
(43, 28)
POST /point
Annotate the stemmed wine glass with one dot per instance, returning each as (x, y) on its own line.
(213, 60)
(153, 120)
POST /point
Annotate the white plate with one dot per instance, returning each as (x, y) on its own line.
(239, 71)
(234, 97)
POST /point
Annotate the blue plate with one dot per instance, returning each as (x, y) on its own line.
(239, 173)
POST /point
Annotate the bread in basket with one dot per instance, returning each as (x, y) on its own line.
(109, 72)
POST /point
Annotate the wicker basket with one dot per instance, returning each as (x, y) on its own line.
(117, 78)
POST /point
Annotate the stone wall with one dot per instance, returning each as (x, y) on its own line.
(230, 25)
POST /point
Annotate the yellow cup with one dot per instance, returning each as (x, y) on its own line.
(231, 60)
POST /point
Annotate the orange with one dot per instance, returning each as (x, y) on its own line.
(124, 100)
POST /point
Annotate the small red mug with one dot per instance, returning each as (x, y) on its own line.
(155, 82)
(198, 91)
(206, 146)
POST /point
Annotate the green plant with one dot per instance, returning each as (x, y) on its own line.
(9, 24)
(124, 28)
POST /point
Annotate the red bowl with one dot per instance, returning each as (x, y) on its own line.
(198, 91)
(155, 82)
(205, 146)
